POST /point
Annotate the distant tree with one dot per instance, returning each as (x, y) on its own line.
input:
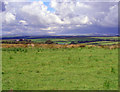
(21, 39)
(72, 42)
(49, 42)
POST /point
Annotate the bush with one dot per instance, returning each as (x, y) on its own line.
(72, 42)
(49, 42)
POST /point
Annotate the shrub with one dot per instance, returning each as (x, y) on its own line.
(11, 57)
(106, 84)
(49, 42)
(72, 42)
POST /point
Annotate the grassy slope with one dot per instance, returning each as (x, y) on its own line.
(114, 38)
(60, 69)
(65, 39)
(103, 43)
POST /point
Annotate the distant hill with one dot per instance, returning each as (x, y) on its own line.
(37, 37)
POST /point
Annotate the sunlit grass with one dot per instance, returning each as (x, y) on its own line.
(60, 69)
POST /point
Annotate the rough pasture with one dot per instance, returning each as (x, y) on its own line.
(66, 68)
(57, 46)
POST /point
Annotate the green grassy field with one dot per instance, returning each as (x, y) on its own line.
(59, 69)
(102, 43)
(76, 39)
(113, 38)
(65, 39)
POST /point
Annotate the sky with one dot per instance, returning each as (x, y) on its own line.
(38, 17)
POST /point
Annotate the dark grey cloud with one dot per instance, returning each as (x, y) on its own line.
(2, 6)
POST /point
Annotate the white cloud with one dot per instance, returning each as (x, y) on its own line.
(67, 16)
(23, 22)
(80, 20)
(49, 28)
(53, 3)
(9, 17)
(84, 13)
(78, 25)
(15, 1)
(51, 32)
(40, 13)
(82, 5)
(111, 18)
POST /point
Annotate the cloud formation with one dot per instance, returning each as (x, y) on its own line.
(67, 17)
